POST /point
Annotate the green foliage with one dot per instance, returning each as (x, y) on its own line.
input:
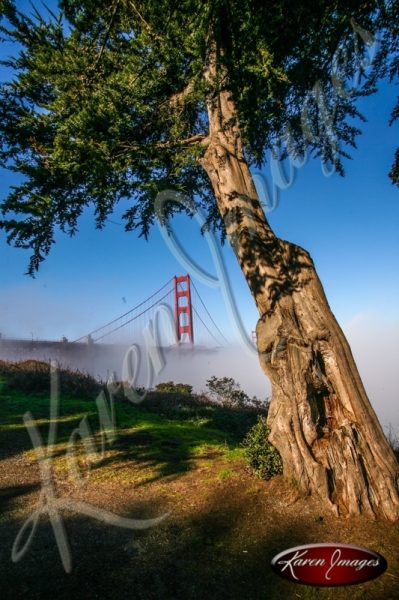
(226, 391)
(262, 457)
(394, 172)
(107, 101)
(387, 62)
(176, 388)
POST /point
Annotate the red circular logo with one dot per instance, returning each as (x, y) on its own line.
(328, 564)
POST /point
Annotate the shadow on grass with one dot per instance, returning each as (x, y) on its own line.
(167, 432)
(8, 494)
(14, 436)
(166, 449)
(233, 421)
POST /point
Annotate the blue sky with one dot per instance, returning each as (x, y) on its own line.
(349, 225)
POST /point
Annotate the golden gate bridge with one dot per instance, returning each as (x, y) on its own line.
(190, 316)
(190, 320)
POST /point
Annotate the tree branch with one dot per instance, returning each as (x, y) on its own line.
(177, 99)
(194, 140)
(145, 23)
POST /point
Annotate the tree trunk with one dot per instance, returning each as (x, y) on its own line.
(321, 420)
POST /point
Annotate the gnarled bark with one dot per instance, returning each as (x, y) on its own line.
(321, 420)
(320, 417)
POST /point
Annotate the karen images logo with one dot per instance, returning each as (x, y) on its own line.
(328, 564)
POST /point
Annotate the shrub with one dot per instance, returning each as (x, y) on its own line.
(170, 387)
(262, 457)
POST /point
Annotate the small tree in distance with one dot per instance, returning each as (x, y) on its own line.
(226, 391)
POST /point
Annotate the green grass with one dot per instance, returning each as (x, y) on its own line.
(163, 436)
(14, 405)
(225, 474)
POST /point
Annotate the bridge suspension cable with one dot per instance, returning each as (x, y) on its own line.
(132, 319)
(208, 313)
(126, 314)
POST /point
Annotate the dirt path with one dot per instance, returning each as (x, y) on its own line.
(223, 528)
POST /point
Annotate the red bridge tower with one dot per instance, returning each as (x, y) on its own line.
(184, 307)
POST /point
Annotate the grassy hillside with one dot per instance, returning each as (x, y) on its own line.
(175, 455)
